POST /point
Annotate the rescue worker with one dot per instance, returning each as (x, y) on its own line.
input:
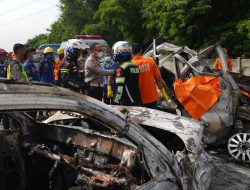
(126, 91)
(46, 66)
(107, 65)
(3, 55)
(94, 73)
(217, 64)
(149, 77)
(58, 62)
(15, 68)
(69, 71)
(10, 56)
(29, 66)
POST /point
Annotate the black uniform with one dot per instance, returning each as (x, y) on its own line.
(127, 90)
(69, 75)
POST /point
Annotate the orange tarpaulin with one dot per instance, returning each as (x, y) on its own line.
(245, 93)
(197, 94)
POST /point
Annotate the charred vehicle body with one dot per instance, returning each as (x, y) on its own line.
(217, 98)
(96, 147)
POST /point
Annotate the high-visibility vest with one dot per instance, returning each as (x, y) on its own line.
(9, 73)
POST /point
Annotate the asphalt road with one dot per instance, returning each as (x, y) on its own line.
(229, 175)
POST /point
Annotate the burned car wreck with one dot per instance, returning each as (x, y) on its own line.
(85, 144)
(96, 148)
(217, 98)
(180, 135)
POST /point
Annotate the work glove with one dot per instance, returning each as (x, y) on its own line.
(164, 95)
(110, 93)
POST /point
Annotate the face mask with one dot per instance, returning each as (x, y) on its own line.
(48, 56)
(101, 59)
(34, 57)
(99, 54)
(107, 59)
(61, 56)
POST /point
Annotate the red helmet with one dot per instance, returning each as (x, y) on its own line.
(3, 52)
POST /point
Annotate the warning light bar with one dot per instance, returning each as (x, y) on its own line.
(88, 37)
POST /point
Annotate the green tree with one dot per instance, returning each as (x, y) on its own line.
(38, 40)
(199, 23)
(177, 21)
(196, 23)
(75, 14)
(118, 20)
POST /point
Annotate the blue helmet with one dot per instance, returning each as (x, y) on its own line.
(72, 53)
(121, 49)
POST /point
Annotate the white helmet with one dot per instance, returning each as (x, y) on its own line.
(120, 49)
(72, 45)
(76, 44)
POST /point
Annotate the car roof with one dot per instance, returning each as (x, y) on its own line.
(89, 42)
(17, 95)
(53, 44)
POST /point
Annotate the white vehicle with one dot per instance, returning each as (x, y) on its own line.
(87, 40)
(75, 43)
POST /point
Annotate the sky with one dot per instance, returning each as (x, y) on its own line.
(23, 19)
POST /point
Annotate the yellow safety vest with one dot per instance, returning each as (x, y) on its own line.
(9, 73)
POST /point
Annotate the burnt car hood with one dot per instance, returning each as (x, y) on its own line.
(189, 130)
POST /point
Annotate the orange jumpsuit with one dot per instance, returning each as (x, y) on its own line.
(57, 68)
(148, 72)
(217, 64)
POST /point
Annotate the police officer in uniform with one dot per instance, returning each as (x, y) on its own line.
(69, 74)
(126, 79)
(94, 73)
(29, 66)
(15, 68)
